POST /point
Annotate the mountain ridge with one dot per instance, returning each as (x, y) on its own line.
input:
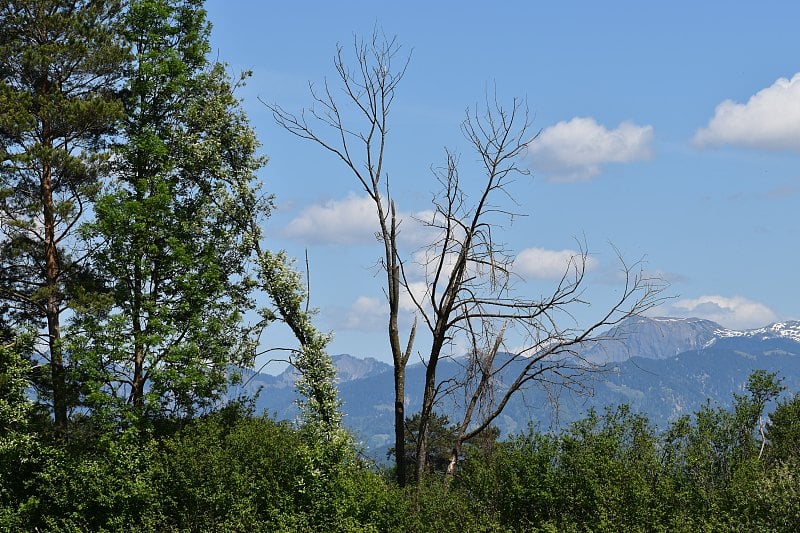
(663, 367)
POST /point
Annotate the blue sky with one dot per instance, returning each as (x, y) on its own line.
(668, 129)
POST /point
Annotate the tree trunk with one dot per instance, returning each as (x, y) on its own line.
(399, 424)
(451, 466)
(137, 386)
(399, 358)
(428, 397)
(53, 305)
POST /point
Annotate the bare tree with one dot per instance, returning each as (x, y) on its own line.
(469, 284)
(370, 87)
(470, 294)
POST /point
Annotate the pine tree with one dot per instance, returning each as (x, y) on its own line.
(60, 62)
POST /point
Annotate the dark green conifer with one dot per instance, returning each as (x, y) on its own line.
(60, 63)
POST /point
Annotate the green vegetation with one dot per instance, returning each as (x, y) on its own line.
(130, 257)
(232, 470)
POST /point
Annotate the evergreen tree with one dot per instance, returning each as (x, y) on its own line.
(172, 228)
(60, 62)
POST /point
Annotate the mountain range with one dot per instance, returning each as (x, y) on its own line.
(661, 367)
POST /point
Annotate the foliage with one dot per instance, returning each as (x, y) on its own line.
(516, 480)
(326, 447)
(97, 483)
(171, 231)
(614, 472)
(320, 407)
(15, 406)
(440, 440)
(60, 62)
(783, 431)
(18, 440)
(233, 471)
(228, 471)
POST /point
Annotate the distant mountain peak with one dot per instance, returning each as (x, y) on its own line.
(713, 363)
(653, 338)
(350, 368)
(786, 330)
(663, 337)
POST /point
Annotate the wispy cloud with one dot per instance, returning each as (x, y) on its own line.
(364, 314)
(540, 263)
(353, 220)
(348, 221)
(370, 314)
(420, 292)
(577, 150)
(734, 312)
(769, 120)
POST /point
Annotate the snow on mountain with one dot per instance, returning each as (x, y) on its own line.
(664, 337)
(785, 330)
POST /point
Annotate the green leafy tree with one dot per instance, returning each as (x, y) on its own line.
(783, 430)
(517, 480)
(60, 62)
(15, 407)
(763, 387)
(609, 471)
(17, 438)
(320, 406)
(326, 446)
(713, 459)
(172, 227)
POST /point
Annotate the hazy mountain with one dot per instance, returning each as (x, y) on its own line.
(349, 368)
(654, 338)
(277, 395)
(663, 367)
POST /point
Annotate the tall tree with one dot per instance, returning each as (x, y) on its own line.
(361, 145)
(60, 63)
(470, 295)
(468, 291)
(172, 228)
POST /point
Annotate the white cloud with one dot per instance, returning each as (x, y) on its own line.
(347, 221)
(352, 220)
(548, 264)
(770, 119)
(736, 312)
(576, 150)
(368, 314)
(425, 261)
(420, 291)
(365, 314)
(416, 230)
